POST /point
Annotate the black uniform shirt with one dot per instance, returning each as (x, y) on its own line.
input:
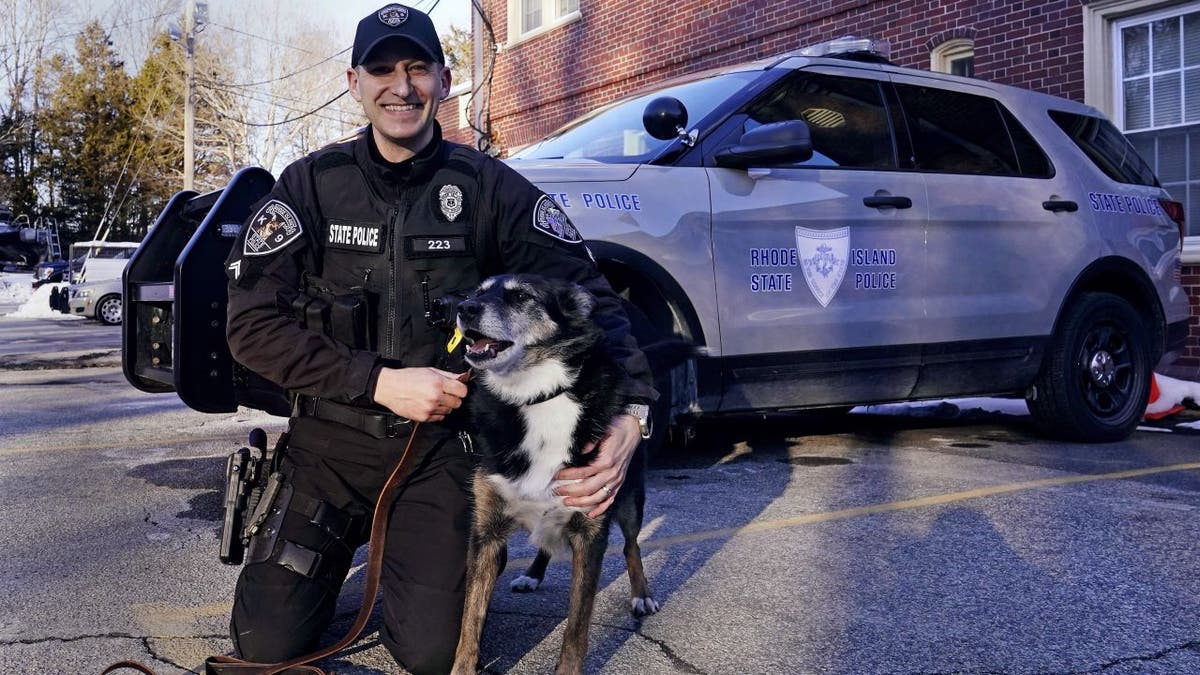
(265, 336)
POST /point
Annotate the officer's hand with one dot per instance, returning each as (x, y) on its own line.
(595, 485)
(420, 394)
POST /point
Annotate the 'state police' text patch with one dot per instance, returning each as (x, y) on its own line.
(364, 237)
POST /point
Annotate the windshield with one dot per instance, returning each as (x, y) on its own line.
(614, 133)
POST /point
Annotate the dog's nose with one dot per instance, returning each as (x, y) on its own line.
(469, 309)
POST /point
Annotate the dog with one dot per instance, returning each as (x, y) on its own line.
(545, 388)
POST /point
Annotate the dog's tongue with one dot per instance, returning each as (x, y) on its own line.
(481, 345)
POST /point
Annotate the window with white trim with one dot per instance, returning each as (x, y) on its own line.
(1156, 92)
(956, 57)
(527, 18)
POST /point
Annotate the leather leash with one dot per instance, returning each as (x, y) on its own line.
(229, 665)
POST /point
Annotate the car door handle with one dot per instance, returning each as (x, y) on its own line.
(1057, 205)
(894, 202)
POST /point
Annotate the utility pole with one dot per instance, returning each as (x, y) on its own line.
(189, 98)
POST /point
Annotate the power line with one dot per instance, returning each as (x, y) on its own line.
(286, 121)
(259, 37)
(284, 77)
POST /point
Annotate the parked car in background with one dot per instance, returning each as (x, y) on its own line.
(95, 280)
(839, 231)
(50, 272)
(100, 300)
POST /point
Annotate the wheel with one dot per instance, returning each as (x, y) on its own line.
(1095, 382)
(108, 310)
(646, 333)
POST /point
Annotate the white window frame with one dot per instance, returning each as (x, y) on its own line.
(549, 21)
(1118, 57)
(951, 50)
(1101, 61)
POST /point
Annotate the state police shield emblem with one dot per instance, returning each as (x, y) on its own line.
(393, 15)
(824, 256)
(450, 201)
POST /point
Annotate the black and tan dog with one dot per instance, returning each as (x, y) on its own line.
(547, 387)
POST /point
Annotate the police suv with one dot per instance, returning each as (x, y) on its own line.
(838, 231)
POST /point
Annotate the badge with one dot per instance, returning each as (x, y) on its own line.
(450, 200)
(824, 256)
(549, 219)
(273, 227)
(393, 15)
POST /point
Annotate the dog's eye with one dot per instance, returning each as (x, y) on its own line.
(518, 295)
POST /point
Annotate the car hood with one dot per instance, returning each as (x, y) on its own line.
(542, 171)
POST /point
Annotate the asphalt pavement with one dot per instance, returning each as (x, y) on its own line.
(936, 543)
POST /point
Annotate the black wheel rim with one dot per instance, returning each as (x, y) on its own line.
(1107, 371)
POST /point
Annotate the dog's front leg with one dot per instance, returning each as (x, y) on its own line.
(588, 538)
(485, 553)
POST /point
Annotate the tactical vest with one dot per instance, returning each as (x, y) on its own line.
(395, 261)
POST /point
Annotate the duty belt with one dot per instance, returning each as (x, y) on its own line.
(377, 424)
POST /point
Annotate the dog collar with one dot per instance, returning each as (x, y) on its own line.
(546, 397)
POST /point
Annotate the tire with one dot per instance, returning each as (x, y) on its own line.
(1095, 381)
(108, 310)
(644, 331)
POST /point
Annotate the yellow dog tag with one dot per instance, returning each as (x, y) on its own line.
(454, 340)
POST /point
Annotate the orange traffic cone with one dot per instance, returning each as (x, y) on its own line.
(1152, 414)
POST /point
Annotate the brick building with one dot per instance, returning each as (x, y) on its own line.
(1138, 61)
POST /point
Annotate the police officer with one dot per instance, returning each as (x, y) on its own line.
(329, 285)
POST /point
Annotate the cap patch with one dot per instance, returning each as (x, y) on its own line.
(273, 227)
(393, 15)
(549, 219)
(450, 201)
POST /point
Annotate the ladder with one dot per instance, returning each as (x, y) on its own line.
(53, 242)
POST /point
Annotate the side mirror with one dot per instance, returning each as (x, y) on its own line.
(775, 143)
(665, 118)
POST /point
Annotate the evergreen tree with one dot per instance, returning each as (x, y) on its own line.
(89, 132)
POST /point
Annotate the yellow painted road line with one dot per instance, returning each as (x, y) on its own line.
(904, 505)
(891, 507)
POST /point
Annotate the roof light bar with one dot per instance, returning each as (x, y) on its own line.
(850, 46)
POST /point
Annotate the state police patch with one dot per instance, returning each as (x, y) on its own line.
(393, 15)
(273, 227)
(549, 219)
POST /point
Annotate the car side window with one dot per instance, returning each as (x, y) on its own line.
(846, 118)
(963, 133)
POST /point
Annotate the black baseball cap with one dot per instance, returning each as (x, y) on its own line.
(396, 21)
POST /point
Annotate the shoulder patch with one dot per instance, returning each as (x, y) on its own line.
(273, 227)
(549, 219)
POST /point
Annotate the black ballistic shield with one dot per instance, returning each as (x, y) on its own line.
(174, 295)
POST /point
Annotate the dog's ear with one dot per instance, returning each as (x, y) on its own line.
(576, 302)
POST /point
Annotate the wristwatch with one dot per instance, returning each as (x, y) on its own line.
(642, 412)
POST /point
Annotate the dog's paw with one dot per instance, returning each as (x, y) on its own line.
(644, 606)
(524, 584)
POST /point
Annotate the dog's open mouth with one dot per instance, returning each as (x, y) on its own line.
(482, 348)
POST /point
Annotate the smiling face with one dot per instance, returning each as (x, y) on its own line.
(400, 91)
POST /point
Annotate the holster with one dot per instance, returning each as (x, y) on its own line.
(251, 483)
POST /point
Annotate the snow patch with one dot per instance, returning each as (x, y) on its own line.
(15, 288)
(37, 305)
(1172, 393)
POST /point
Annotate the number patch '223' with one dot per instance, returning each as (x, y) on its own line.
(436, 246)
